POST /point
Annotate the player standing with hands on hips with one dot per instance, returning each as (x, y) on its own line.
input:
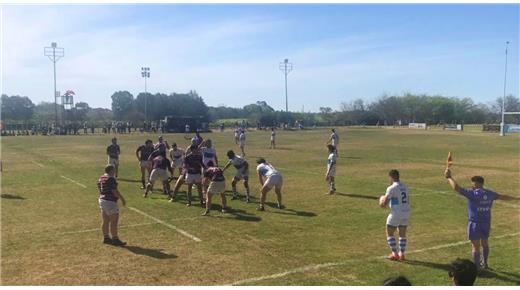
(397, 198)
(480, 201)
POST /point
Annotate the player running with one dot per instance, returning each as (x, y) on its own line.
(397, 197)
(113, 152)
(242, 172)
(273, 179)
(334, 140)
(242, 141)
(160, 168)
(142, 153)
(215, 182)
(480, 201)
(331, 169)
(161, 144)
(177, 156)
(108, 196)
(193, 166)
(273, 136)
(236, 134)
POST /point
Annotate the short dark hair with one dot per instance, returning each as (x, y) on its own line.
(397, 281)
(109, 168)
(394, 173)
(148, 141)
(260, 160)
(478, 179)
(210, 163)
(174, 144)
(230, 154)
(463, 272)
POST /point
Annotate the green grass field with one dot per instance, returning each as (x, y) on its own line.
(50, 215)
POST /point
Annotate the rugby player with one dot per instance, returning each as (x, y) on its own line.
(480, 200)
(193, 166)
(177, 156)
(242, 172)
(142, 153)
(334, 140)
(161, 144)
(273, 136)
(397, 197)
(113, 152)
(273, 179)
(242, 140)
(331, 169)
(215, 182)
(160, 168)
(236, 134)
(108, 197)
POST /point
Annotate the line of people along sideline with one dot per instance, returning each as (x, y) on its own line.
(200, 168)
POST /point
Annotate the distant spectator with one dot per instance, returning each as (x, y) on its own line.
(463, 272)
(397, 281)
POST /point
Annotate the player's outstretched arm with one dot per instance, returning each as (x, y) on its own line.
(226, 166)
(506, 197)
(452, 182)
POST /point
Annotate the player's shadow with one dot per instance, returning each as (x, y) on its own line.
(288, 211)
(12, 196)
(153, 253)
(242, 215)
(445, 267)
(354, 195)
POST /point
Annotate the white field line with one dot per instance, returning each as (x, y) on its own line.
(180, 231)
(39, 164)
(74, 181)
(334, 264)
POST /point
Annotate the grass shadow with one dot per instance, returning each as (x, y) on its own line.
(242, 215)
(357, 195)
(288, 211)
(153, 253)
(12, 196)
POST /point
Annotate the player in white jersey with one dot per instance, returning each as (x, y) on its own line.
(331, 169)
(208, 153)
(273, 179)
(242, 172)
(334, 140)
(397, 197)
(273, 136)
(177, 157)
(242, 141)
(237, 134)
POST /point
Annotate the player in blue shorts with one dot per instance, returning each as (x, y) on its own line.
(480, 201)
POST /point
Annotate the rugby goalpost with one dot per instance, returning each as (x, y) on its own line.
(504, 113)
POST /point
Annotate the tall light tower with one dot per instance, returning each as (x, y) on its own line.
(54, 53)
(145, 73)
(286, 67)
(502, 124)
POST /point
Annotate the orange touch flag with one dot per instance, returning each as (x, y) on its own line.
(449, 162)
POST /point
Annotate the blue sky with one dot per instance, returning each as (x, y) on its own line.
(229, 53)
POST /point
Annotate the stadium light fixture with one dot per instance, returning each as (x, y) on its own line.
(286, 67)
(502, 123)
(54, 53)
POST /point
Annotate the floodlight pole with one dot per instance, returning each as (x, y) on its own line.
(54, 56)
(502, 124)
(286, 67)
(145, 73)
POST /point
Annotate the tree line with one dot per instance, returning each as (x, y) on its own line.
(388, 109)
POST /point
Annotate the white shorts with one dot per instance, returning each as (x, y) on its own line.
(177, 163)
(332, 171)
(396, 220)
(158, 174)
(145, 163)
(193, 178)
(217, 187)
(242, 172)
(113, 161)
(274, 180)
(108, 207)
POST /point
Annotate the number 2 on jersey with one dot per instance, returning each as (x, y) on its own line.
(403, 197)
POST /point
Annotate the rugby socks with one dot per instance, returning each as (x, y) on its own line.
(142, 181)
(402, 245)
(332, 186)
(392, 244)
(476, 258)
(485, 251)
(234, 189)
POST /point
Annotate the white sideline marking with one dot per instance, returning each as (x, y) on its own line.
(328, 265)
(74, 181)
(39, 164)
(97, 229)
(182, 232)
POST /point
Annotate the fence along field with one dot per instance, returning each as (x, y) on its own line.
(50, 222)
